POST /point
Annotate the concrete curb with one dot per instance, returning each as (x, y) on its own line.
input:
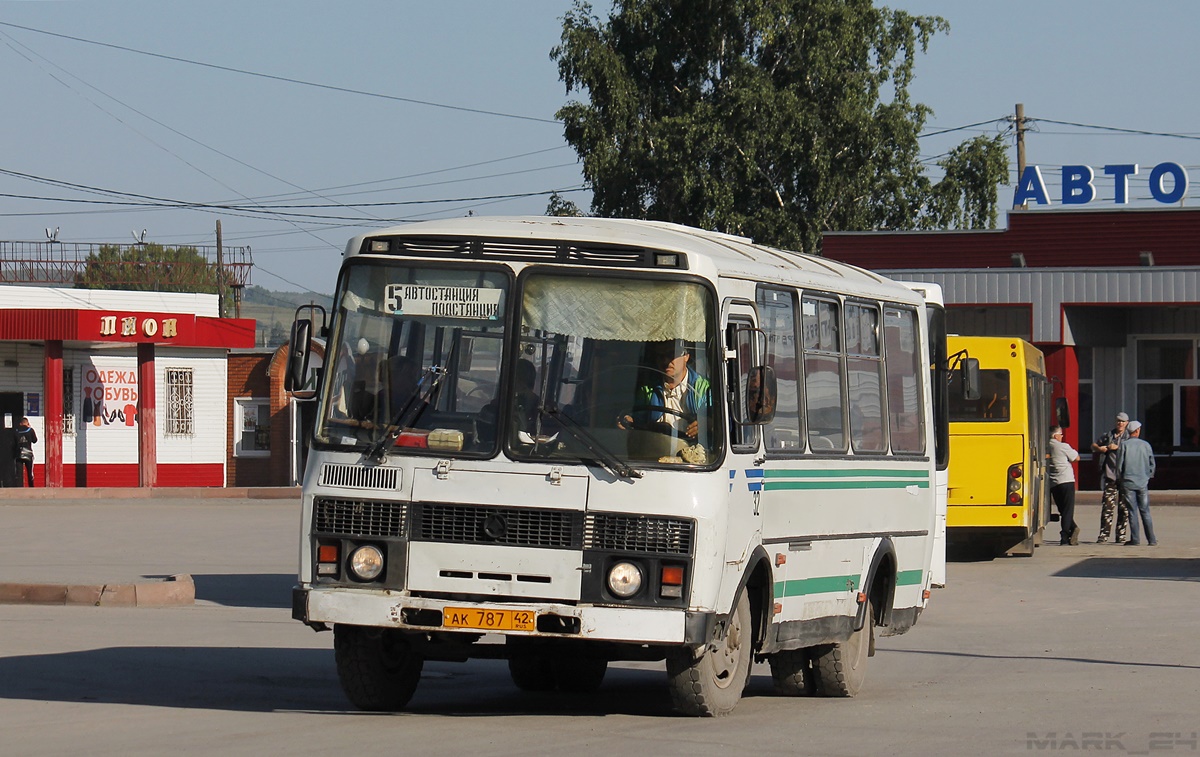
(172, 591)
(157, 492)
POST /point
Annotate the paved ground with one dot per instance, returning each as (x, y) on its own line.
(1093, 645)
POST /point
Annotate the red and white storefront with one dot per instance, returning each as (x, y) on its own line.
(122, 388)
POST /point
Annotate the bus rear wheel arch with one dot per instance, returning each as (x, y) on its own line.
(839, 670)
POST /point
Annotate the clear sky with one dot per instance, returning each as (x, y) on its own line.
(453, 106)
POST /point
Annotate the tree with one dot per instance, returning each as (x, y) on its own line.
(558, 206)
(151, 267)
(776, 119)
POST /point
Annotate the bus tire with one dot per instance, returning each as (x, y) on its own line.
(712, 685)
(839, 669)
(579, 675)
(791, 672)
(531, 672)
(377, 667)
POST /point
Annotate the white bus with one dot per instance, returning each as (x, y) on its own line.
(565, 442)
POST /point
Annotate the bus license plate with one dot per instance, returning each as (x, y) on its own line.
(489, 620)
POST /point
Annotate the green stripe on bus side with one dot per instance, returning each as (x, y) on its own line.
(847, 473)
(831, 584)
(770, 485)
(821, 585)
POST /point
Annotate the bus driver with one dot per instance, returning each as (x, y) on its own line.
(683, 393)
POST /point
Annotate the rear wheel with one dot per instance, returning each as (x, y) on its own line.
(377, 667)
(547, 672)
(712, 684)
(791, 672)
(839, 669)
(531, 672)
(579, 675)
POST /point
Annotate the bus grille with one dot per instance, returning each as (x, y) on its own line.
(635, 533)
(353, 517)
(508, 526)
(359, 476)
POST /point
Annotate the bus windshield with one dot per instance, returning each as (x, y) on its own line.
(614, 367)
(414, 359)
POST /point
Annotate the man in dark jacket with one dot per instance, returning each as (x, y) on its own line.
(1112, 503)
(26, 438)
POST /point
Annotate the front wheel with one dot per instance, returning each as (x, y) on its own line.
(377, 667)
(712, 685)
(840, 669)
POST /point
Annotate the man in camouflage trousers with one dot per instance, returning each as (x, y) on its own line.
(1105, 448)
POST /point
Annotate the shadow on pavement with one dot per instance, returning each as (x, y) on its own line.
(246, 679)
(269, 590)
(1163, 569)
(305, 680)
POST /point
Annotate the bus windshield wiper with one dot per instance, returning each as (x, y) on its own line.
(408, 412)
(606, 459)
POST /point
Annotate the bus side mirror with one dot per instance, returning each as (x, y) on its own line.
(1062, 412)
(761, 394)
(297, 361)
(970, 378)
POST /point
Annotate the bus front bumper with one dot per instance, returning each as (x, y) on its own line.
(389, 609)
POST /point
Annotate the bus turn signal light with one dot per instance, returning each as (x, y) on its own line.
(672, 581)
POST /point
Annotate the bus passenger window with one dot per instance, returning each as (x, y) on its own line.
(906, 419)
(824, 395)
(864, 374)
(777, 315)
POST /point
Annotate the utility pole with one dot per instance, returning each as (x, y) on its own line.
(1020, 146)
(221, 273)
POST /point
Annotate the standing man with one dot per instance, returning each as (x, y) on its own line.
(1135, 468)
(26, 438)
(1062, 485)
(1106, 448)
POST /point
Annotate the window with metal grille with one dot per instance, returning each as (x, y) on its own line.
(180, 418)
(68, 401)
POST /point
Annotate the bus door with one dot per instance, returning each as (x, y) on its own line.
(1038, 389)
(743, 351)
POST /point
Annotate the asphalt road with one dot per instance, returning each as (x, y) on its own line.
(1091, 647)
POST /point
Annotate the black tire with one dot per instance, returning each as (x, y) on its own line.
(712, 685)
(791, 672)
(377, 667)
(531, 672)
(579, 675)
(840, 669)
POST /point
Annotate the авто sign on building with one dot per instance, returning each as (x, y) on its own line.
(1168, 184)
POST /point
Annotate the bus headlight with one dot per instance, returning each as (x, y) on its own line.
(366, 562)
(624, 579)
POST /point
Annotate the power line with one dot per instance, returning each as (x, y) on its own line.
(963, 127)
(1139, 132)
(287, 79)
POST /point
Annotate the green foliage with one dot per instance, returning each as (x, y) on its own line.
(558, 206)
(776, 119)
(968, 196)
(151, 268)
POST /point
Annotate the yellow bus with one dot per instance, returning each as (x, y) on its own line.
(999, 434)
